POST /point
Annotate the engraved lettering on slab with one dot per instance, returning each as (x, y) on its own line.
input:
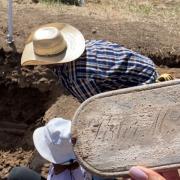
(118, 127)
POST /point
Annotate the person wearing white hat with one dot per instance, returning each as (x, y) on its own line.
(53, 142)
(89, 67)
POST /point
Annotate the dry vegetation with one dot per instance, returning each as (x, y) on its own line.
(165, 10)
(160, 12)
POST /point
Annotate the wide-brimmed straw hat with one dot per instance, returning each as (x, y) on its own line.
(53, 141)
(52, 44)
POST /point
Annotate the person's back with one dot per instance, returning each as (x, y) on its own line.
(105, 66)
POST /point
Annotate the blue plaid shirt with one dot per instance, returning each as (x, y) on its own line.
(105, 66)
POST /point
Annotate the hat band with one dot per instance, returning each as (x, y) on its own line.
(49, 51)
(52, 55)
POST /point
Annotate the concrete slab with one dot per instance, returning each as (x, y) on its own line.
(133, 126)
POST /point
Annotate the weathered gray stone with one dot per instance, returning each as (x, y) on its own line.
(127, 127)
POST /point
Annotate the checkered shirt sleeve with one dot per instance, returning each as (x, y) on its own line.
(105, 66)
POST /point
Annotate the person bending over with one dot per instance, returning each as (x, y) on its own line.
(86, 68)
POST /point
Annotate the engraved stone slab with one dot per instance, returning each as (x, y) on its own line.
(127, 127)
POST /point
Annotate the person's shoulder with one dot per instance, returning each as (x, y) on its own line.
(96, 41)
(101, 43)
(93, 42)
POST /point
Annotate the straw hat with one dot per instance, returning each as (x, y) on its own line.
(52, 44)
(53, 141)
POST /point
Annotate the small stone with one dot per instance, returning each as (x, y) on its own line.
(46, 165)
(35, 1)
(94, 31)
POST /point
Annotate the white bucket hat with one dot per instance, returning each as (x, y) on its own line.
(52, 44)
(53, 141)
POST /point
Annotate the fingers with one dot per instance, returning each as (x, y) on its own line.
(142, 173)
(138, 174)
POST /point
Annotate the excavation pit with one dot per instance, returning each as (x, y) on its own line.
(26, 94)
(21, 109)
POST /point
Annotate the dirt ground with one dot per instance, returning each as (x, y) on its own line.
(31, 96)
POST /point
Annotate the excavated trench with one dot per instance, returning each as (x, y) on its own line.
(169, 60)
(21, 109)
(25, 97)
(26, 94)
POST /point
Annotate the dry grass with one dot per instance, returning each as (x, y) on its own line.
(166, 10)
(163, 13)
(163, 8)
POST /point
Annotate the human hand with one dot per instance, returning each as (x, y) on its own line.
(142, 173)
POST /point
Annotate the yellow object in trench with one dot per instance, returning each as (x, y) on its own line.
(165, 77)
